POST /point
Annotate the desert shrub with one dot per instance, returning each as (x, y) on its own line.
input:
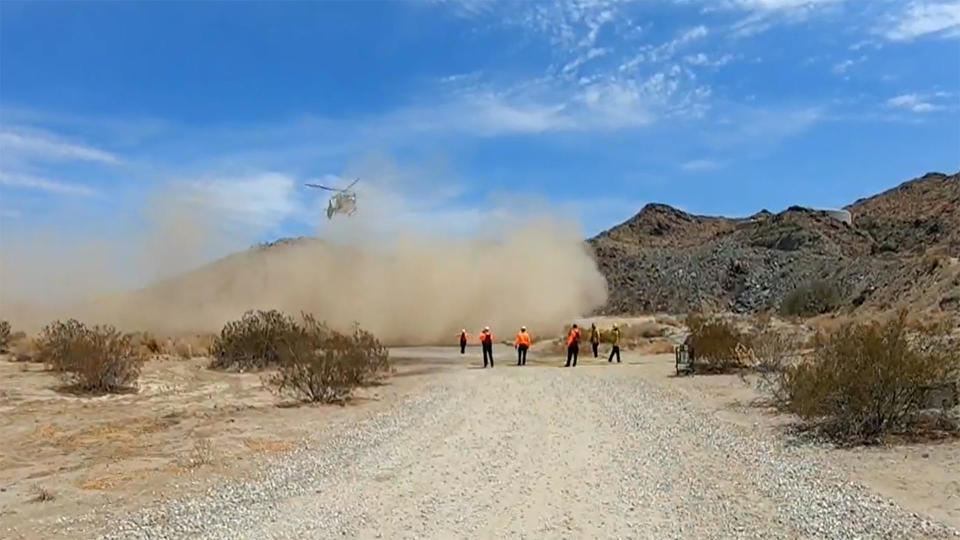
(251, 342)
(772, 350)
(643, 330)
(5, 337)
(191, 346)
(931, 323)
(41, 494)
(657, 346)
(813, 298)
(318, 364)
(630, 334)
(718, 345)
(23, 348)
(55, 342)
(148, 344)
(200, 454)
(867, 380)
(667, 320)
(91, 359)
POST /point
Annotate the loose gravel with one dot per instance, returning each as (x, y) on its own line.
(537, 452)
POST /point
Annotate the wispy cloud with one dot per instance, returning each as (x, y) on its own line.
(764, 14)
(24, 181)
(925, 18)
(48, 147)
(605, 104)
(864, 44)
(918, 103)
(701, 59)
(658, 54)
(700, 165)
(765, 126)
(263, 200)
(844, 66)
(779, 5)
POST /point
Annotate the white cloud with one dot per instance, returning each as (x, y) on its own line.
(701, 59)
(25, 181)
(263, 200)
(692, 34)
(665, 51)
(46, 147)
(487, 115)
(764, 14)
(925, 18)
(779, 5)
(914, 102)
(568, 24)
(575, 64)
(865, 44)
(700, 165)
(614, 106)
(842, 67)
(759, 127)
(602, 103)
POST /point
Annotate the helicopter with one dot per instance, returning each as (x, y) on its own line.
(343, 202)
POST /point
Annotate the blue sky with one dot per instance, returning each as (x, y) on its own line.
(451, 109)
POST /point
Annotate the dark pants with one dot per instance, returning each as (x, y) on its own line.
(487, 351)
(615, 351)
(463, 347)
(596, 347)
(572, 352)
(521, 355)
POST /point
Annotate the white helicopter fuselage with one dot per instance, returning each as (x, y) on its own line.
(341, 203)
(344, 202)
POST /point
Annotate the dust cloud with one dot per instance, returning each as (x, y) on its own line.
(410, 274)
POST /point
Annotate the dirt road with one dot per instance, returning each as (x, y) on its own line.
(595, 451)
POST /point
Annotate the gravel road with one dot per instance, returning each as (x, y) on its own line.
(540, 452)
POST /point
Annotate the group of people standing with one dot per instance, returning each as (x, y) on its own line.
(523, 341)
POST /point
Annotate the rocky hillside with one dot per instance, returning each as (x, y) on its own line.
(902, 247)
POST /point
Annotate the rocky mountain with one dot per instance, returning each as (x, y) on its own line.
(902, 246)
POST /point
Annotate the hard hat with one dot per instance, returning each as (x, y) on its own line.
(615, 325)
(486, 328)
(523, 327)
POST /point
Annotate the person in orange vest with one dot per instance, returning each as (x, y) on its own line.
(486, 341)
(573, 345)
(522, 344)
(463, 341)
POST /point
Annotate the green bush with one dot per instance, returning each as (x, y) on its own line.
(867, 380)
(252, 342)
(814, 298)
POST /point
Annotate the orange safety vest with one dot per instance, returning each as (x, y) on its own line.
(523, 338)
(486, 338)
(573, 338)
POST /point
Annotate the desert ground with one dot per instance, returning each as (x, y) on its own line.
(445, 449)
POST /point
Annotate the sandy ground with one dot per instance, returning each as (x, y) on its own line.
(923, 478)
(187, 428)
(511, 452)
